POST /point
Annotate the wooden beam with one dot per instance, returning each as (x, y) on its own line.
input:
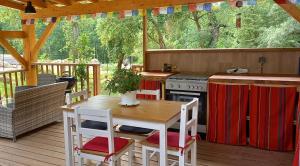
(63, 2)
(29, 42)
(37, 3)
(40, 43)
(291, 9)
(12, 34)
(108, 6)
(4, 43)
(11, 4)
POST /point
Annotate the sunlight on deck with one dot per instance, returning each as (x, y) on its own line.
(46, 147)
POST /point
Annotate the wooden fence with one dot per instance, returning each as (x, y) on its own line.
(10, 79)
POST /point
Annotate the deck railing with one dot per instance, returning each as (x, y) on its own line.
(12, 78)
(91, 82)
(9, 80)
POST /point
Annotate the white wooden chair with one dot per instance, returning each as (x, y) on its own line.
(103, 146)
(155, 93)
(179, 144)
(71, 96)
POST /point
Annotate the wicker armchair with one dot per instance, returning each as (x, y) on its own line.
(33, 108)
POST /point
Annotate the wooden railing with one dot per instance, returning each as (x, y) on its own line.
(91, 83)
(12, 78)
(9, 80)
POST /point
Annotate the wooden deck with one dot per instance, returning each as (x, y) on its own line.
(45, 147)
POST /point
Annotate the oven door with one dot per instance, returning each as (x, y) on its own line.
(187, 96)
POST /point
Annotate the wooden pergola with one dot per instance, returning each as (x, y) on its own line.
(60, 8)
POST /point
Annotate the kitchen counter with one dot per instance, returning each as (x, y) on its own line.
(268, 79)
(156, 75)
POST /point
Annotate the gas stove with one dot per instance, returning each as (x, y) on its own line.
(186, 87)
(187, 82)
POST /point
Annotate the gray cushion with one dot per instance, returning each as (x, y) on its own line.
(94, 125)
(135, 130)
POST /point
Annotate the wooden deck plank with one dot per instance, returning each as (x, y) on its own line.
(45, 147)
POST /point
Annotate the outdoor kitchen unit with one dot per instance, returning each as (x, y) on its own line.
(185, 87)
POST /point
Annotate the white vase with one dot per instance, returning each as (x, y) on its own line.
(129, 98)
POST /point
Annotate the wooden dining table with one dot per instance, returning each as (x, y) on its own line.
(152, 114)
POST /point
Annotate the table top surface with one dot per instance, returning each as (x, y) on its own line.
(257, 79)
(148, 110)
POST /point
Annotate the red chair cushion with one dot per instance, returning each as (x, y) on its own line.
(173, 139)
(100, 144)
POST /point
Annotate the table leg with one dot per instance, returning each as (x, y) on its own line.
(163, 90)
(163, 146)
(68, 140)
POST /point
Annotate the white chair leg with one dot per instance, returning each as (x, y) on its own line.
(194, 154)
(130, 156)
(80, 161)
(112, 163)
(181, 160)
(145, 156)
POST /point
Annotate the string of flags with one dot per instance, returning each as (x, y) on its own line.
(208, 7)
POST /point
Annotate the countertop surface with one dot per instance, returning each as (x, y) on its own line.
(280, 79)
(156, 75)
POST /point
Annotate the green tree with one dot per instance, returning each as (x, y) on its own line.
(120, 37)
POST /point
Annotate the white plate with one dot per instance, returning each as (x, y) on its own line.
(133, 104)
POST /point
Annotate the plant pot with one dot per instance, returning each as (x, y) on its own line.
(129, 98)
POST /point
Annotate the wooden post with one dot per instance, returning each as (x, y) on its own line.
(29, 43)
(96, 78)
(145, 41)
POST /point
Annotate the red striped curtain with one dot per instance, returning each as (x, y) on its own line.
(271, 117)
(227, 113)
(148, 85)
(296, 158)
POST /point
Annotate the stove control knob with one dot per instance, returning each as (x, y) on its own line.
(178, 86)
(189, 87)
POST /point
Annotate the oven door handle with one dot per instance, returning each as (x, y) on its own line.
(185, 93)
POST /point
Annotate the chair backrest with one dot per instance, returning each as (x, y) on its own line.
(45, 79)
(85, 113)
(185, 123)
(156, 93)
(70, 96)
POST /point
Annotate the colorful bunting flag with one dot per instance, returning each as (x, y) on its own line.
(122, 14)
(192, 7)
(216, 6)
(185, 8)
(163, 10)
(250, 3)
(281, 1)
(207, 7)
(177, 8)
(110, 14)
(142, 12)
(155, 11)
(135, 12)
(170, 10)
(295, 1)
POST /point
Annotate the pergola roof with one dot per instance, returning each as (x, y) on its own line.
(57, 8)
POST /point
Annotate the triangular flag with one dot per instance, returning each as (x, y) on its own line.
(250, 3)
(216, 6)
(232, 3)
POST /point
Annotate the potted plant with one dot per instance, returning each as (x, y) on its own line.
(125, 82)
